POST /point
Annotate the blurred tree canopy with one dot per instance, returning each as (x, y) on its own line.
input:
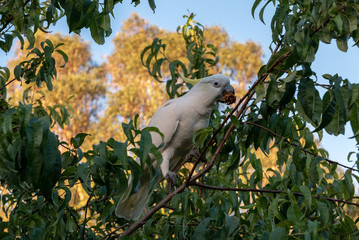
(54, 185)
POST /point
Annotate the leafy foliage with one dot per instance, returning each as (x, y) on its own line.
(230, 195)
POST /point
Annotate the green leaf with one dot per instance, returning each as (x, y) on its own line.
(309, 100)
(120, 151)
(273, 93)
(78, 140)
(203, 229)
(200, 136)
(260, 93)
(290, 88)
(145, 145)
(279, 233)
(349, 186)
(51, 169)
(324, 213)
(7, 123)
(339, 22)
(21, 39)
(261, 12)
(31, 38)
(34, 137)
(255, 5)
(235, 121)
(336, 126)
(64, 56)
(18, 72)
(342, 45)
(328, 113)
(354, 121)
(96, 33)
(152, 5)
(307, 195)
(8, 42)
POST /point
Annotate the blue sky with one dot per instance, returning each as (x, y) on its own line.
(235, 17)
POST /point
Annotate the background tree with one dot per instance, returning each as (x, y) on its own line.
(81, 86)
(224, 197)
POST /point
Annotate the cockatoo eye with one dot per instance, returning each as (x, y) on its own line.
(216, 84)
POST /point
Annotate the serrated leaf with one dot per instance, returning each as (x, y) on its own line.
(309, 100)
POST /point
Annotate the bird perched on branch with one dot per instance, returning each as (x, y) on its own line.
(177, 119)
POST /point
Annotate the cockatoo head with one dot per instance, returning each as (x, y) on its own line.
(216, 88)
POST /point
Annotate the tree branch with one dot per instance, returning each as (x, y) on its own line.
(296, 145)
(269, 191)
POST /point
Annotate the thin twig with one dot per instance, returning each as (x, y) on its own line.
(7, 84)
(269, 191)
(86, 207)
(73, 216)
(114, 231)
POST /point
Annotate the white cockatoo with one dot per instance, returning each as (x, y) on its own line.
(177, 119)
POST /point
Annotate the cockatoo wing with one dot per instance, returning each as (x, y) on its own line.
(166, 119)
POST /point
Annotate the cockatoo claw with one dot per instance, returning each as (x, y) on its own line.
(193, 155)
(171, 178)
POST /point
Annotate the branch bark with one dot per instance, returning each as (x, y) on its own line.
(269, 191)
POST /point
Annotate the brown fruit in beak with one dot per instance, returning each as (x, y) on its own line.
(228, 98)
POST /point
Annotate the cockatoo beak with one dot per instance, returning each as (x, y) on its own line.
(227, 95)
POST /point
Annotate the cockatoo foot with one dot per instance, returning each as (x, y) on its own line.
(193, 155)
(171, 178)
